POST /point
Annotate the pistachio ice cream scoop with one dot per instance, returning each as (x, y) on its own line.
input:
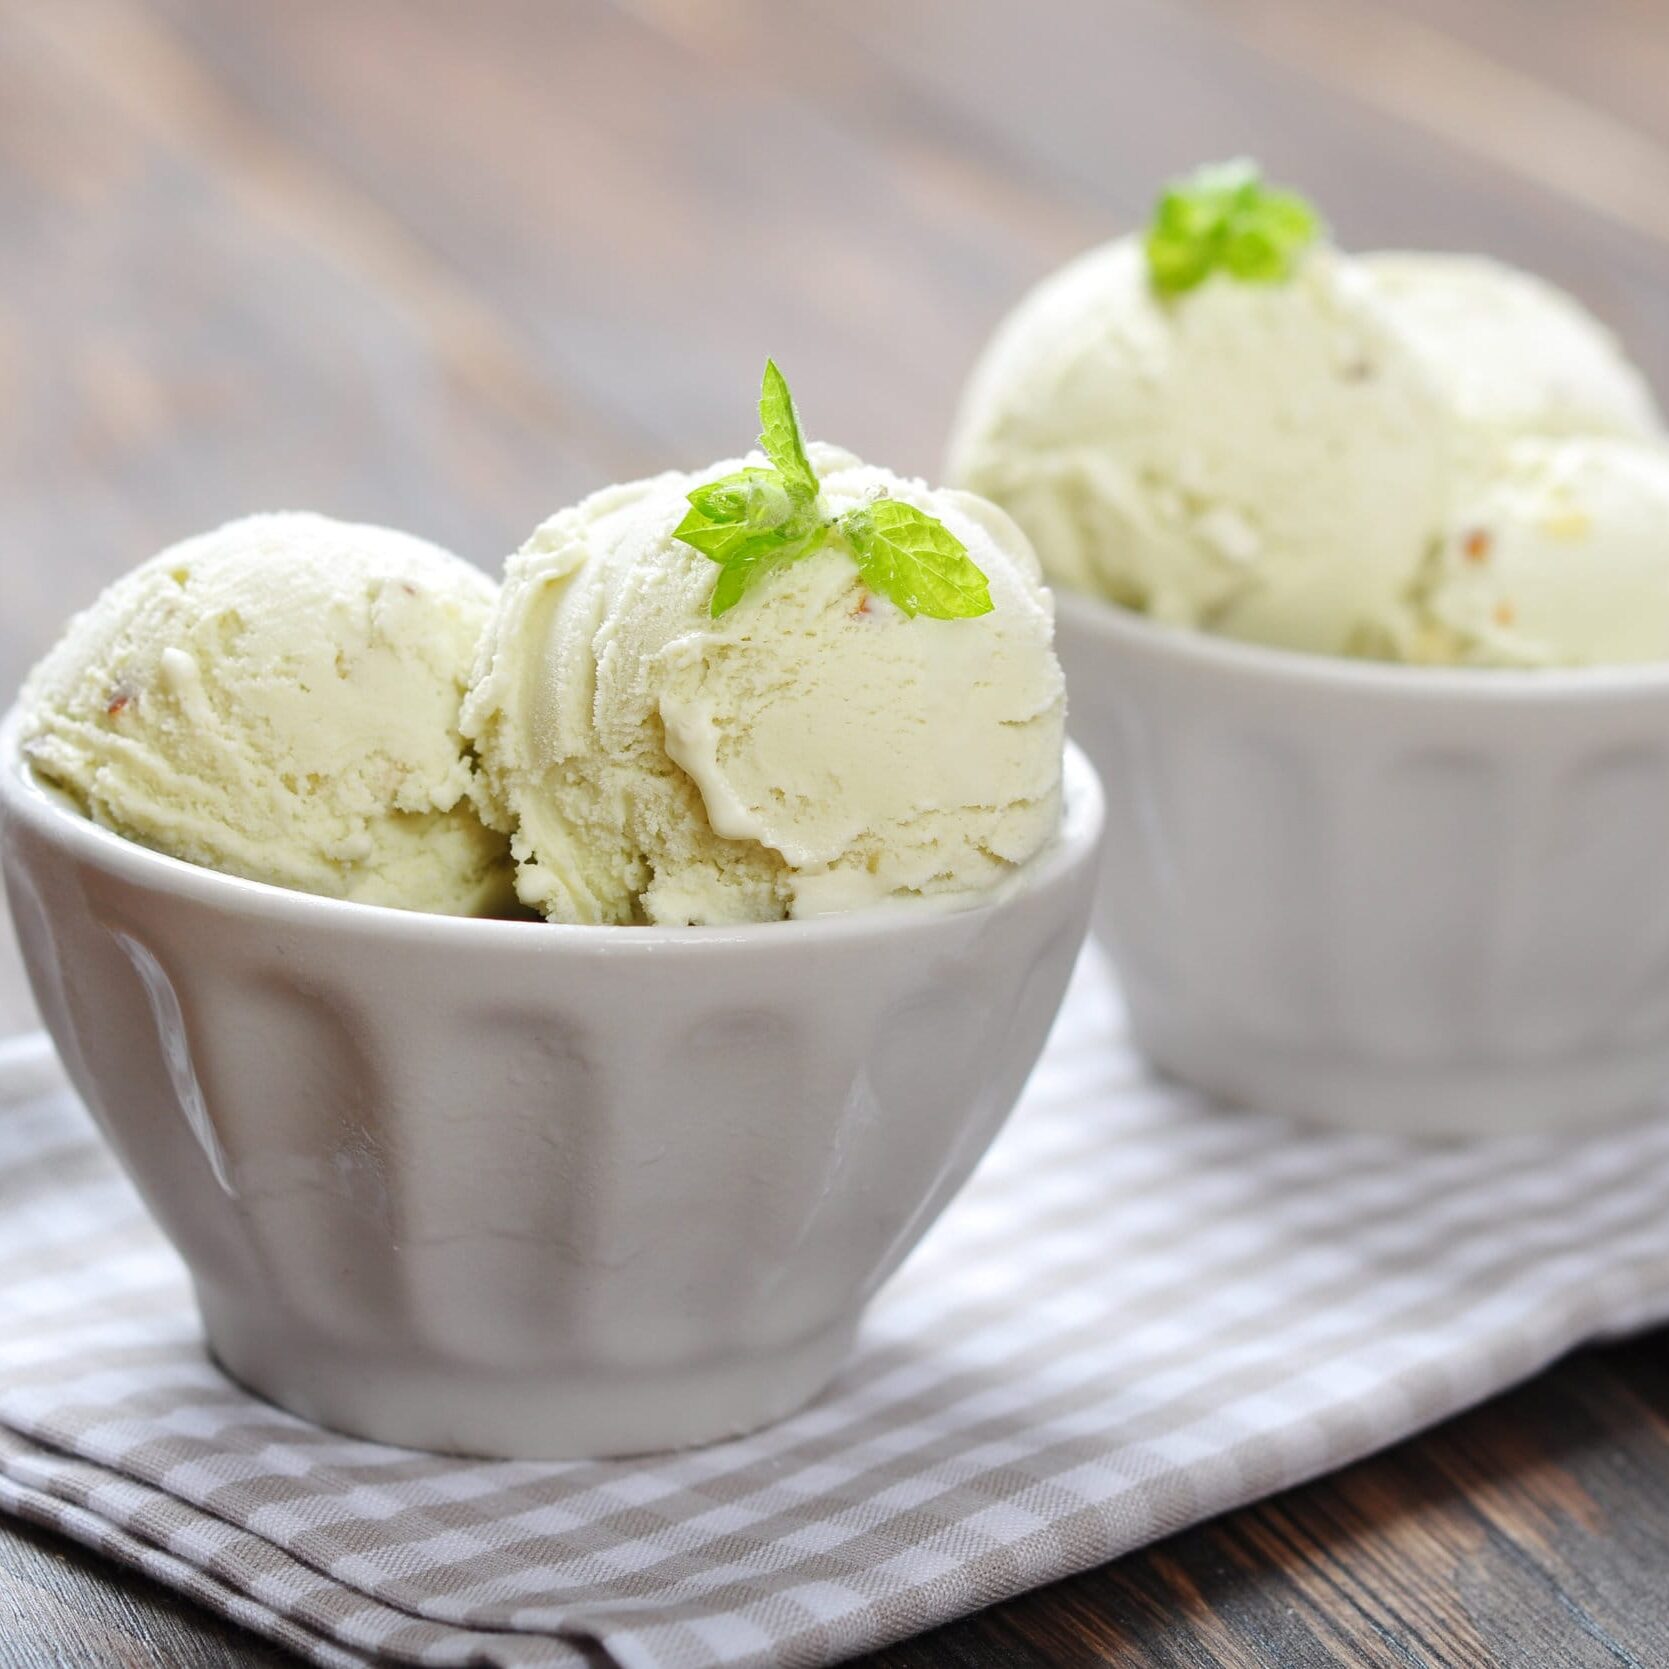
(279, 699)
(790, 685)
(1258, 453)
(1560, 557)
(1227, 423)
(1512, 354)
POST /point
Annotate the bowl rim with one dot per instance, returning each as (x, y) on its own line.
(1073, 848)
(1392, 680)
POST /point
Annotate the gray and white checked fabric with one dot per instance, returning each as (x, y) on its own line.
(1144, 1310)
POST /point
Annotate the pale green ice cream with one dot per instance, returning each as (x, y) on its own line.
(813, 750)
(1263, 460)
(1559, 558)
(1277, 461)
(1513, 354)
(278, 699)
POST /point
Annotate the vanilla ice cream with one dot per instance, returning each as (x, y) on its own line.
(1559, 558)
(813, 749)
(1266, 460)
(279, 699)
(1513, 355)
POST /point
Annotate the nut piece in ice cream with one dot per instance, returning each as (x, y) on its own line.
(1561, 558)
(278, 699)
(755, 728)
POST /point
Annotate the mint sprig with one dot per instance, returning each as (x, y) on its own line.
(1225, 218)
(749, 514)
(916, 560)
(779, 434)
(756, 521)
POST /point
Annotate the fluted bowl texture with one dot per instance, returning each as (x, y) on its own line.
(1417, 900)
(517, 1189)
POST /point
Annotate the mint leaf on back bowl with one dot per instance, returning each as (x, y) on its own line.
(1226, 218)
(915, 561)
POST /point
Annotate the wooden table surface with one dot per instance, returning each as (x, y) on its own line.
(450, 266)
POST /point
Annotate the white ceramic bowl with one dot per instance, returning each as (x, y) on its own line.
(1409, 899)
(516, 1189)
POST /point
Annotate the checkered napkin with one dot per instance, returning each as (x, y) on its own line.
(1144, 1310)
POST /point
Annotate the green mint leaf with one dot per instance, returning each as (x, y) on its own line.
(1224, 218)
(915, 560)
(755, 521)
(780, 437)
(736, 514)
(725, 541)
(753, 498)
(745, 568)
(743, 514)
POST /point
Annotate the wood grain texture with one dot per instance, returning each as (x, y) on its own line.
(449, 267)
(62, 1608)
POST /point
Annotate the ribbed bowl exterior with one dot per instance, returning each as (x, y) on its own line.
(1395, 898)
(513, 1189)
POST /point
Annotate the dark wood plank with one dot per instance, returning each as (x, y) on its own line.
(1363, 107)
(1611, 55)
(196, 322)
(723, 208)
(64, 1608)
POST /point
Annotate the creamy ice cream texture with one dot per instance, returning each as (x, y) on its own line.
(1559, 557)
(1265, 460)
(278, 699)
(1276, 459)
(792, 685)
(1511, 354)
(813, 749)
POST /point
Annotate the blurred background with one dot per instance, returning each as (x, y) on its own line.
(449, 266)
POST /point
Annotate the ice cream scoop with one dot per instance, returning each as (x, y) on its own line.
(1559, 558)
(1261, 459)
(279, 699)
(1227, 423)
(1513, 354)
(676, 737)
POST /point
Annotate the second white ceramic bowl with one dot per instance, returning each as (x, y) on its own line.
(1398, 898)
(516, 1189)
